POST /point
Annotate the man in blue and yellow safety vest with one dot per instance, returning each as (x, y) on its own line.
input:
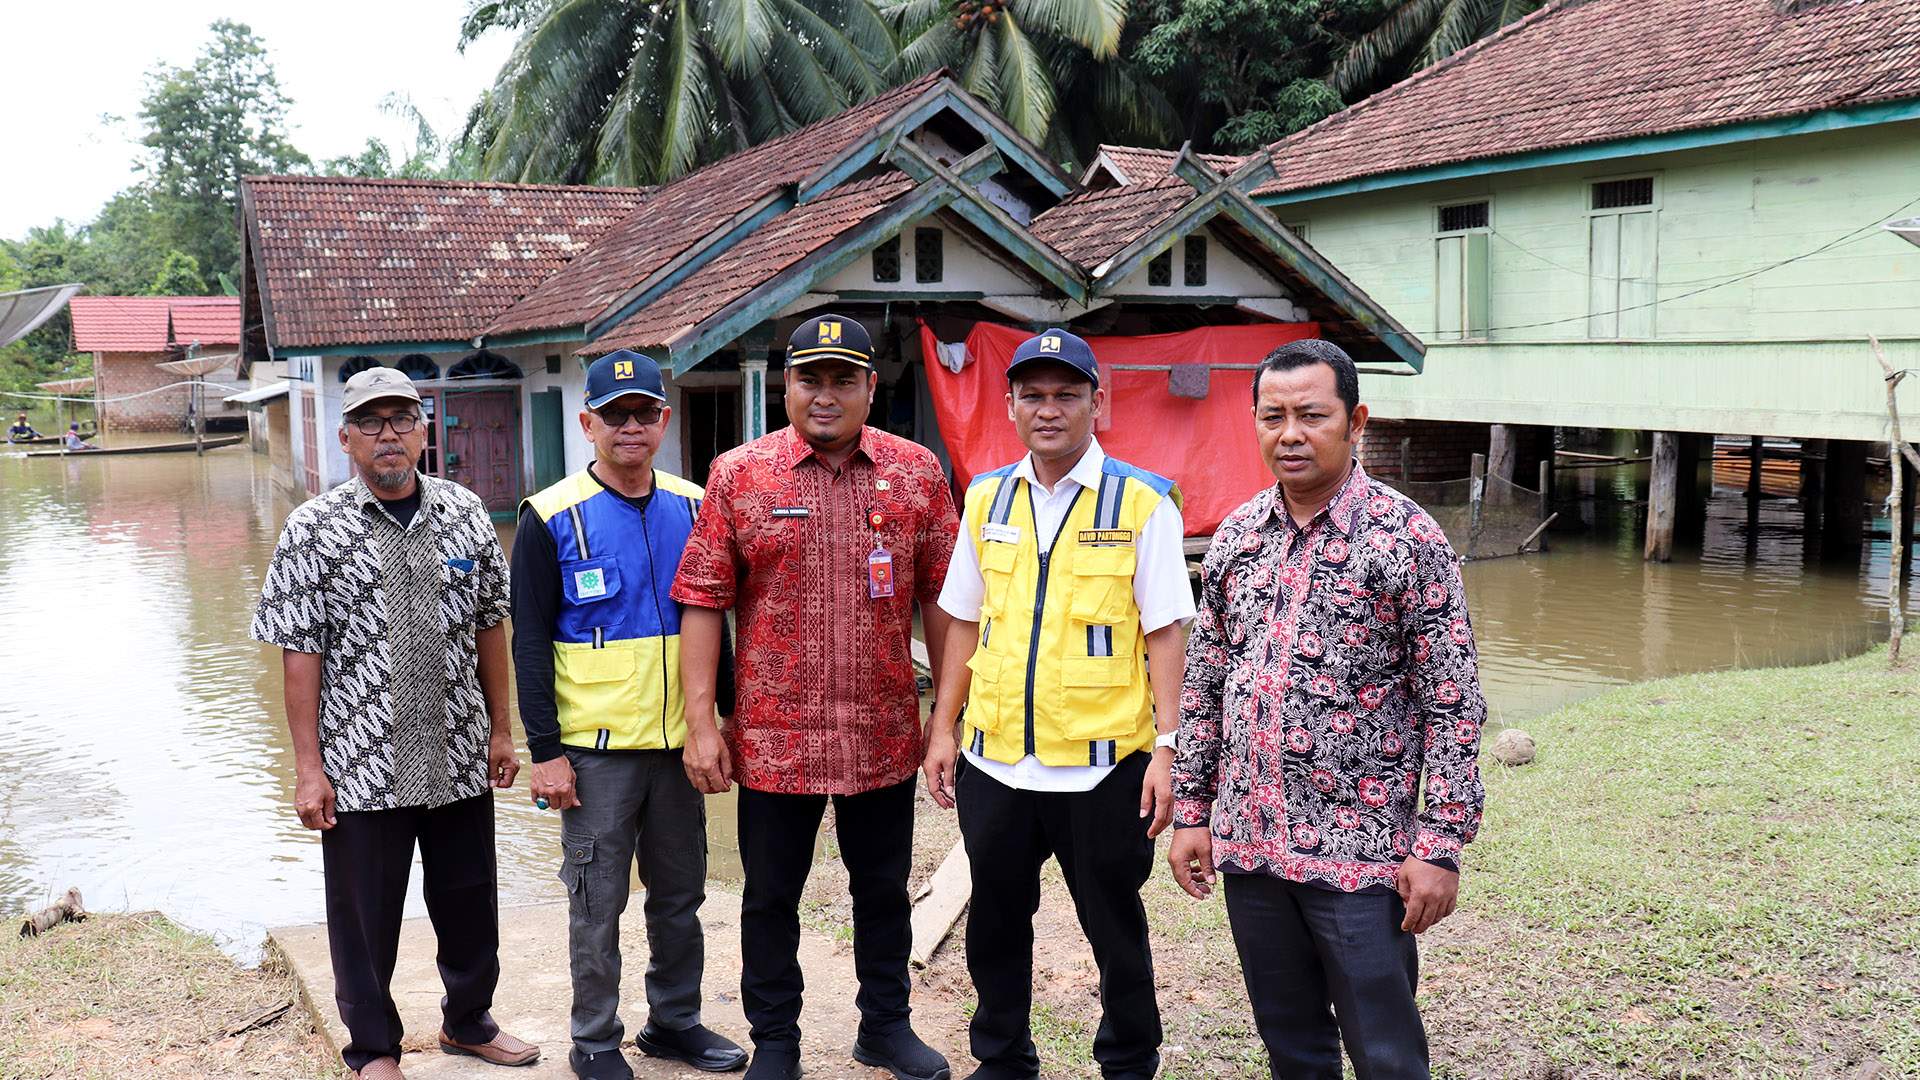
(596, 650)
(1069, 593)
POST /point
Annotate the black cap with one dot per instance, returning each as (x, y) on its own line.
(1056, 347)
(830, 337)
(623, 372)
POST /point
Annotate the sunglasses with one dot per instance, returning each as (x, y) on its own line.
(614, 416)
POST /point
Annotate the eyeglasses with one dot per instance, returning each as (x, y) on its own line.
(615, 417)
(370, 425)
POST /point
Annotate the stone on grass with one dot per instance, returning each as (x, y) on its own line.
(1512, 747)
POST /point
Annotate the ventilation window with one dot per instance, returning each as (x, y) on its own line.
(886, 260)
(1195, 271)
(1160, 269)
(928, 256)
(355, 365)
(553, 363)
(1297, 228)
(419, 367)
(1463, 217)
(484, 364)
(1613, 194)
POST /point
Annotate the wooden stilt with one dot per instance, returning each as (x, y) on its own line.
(1662, 495)
(1477, 497)
(1843, 518)
(1500, 451)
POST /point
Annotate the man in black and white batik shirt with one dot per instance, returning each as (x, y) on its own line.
(387, 596)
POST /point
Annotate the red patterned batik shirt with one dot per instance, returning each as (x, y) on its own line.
(827, 701)
(1329, 670)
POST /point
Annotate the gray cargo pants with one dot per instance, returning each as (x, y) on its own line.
(633, 802)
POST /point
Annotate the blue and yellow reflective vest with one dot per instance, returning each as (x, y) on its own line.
(1060, 670)
(616, 642)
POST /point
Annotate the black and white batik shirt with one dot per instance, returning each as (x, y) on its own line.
(393, 611)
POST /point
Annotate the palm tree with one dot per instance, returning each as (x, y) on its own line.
(1023, 57)
(1416, 34)
(621, 92)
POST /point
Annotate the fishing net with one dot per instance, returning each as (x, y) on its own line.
(1506, 514)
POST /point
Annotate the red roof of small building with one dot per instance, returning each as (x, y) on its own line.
(1592, 71)
(1144, 165)
(678, 215)
(412, 260)
(153, 323)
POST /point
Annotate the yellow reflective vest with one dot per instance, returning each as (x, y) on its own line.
(1060, 669)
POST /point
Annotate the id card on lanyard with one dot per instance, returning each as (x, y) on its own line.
(879, 563)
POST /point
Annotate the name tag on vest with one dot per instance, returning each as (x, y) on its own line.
(791, 511)
(1005, 534)
(1106, 537)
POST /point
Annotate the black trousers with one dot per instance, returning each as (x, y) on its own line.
(366, 857)
(1323, 967)
(1101, 842)
(875, 830)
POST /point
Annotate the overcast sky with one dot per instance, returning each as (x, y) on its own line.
(67, 63)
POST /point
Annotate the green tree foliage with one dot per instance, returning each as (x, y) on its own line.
(208, 124)
(1416, 34)
(427, 155)
(607, 91)
(179, 276)
(1243, 73)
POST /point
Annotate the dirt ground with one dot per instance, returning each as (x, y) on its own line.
(137, 996)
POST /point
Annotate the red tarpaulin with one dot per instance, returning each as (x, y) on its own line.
(1205, 444)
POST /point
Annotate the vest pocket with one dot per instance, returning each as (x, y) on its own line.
(614, 663)
(1102, 584)
(997, 561)
(585, 581)
(1089, 685)
(984, 694)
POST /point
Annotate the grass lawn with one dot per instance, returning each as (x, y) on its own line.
(137, 996)
(1710, 876)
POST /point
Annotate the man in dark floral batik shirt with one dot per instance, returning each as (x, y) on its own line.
(1331, 682)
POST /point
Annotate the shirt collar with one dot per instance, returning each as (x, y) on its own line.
(1339, 509)
(1085, 472)
(797, 449)
(364, 497)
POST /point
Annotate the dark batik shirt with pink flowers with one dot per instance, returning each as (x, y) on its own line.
(1331, 683)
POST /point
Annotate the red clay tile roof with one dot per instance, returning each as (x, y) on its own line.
(1597, 71)
(352, 261)
(1143, 165)
(677, 215)
(755, 260)
(153, 323)
(1093, 226)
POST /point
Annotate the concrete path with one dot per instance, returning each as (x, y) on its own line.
(535, 994)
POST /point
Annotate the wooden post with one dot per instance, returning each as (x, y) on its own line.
(1813, 471)
(1843, 517)
(1662, 492)
(199, 419)
(1476, 498)
(1406, 459)
(1500, 451)
(1546, 494)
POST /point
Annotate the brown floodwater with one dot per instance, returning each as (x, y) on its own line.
(150, 762)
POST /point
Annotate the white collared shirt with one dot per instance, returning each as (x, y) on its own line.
(1160, 589)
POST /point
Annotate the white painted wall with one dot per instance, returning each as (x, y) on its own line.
(965, 267)
(1227, 275)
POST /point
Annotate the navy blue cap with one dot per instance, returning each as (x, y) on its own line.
(1056, 347)
(623, 372)
(830, 337)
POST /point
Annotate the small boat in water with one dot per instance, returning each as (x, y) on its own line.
(151, 448)
(49, 440)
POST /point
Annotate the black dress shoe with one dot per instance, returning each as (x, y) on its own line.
(698, 1046)
(774, 1063)
(1001, 1072)
(605, 1065)
(901, 1053)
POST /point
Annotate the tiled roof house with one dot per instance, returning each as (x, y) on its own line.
(916, 206)
(1657, 215)
(128, 335)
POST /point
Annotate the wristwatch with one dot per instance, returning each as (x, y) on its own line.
(1165, 739)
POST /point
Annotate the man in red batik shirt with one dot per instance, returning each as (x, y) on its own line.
(820, 536)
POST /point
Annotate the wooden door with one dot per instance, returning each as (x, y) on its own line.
(710, 426)
(481, 444)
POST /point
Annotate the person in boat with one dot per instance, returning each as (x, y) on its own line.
(21, 431)
(75, 441)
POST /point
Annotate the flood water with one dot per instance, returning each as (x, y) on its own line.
(149, 758)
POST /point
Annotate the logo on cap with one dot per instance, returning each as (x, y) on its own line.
(623, 369)
(1050, 343)
(829, 333)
